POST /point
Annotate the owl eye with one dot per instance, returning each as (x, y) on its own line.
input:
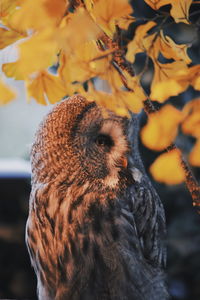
(104, 140)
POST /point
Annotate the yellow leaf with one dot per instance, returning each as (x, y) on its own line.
(154, 44)
(120, 101)
(67, 77)
(170, 49)
(84, 63)
(156, 4)
(67, 36)
(35, 89)
(89, 4)
(161, 91)
(46, 86)
(113, 78)
(64, 69)
(8, 37)
(194, 157)
(162, 85)
(166, 71)
(11, 70)
(179, 10)
(191, 122)
(193, 76)
(128, 101)
(36, 54)
(141, 42)
(167, 168)
(107, 13)
(196, 83)
(56, 8)
(134, 84)
(32, 13)
(190, 76)
(6, 94)
(176, 77)
(7, 7)
(161, 128)
(124, 22)
(103, 99)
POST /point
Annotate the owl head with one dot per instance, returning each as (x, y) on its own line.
(78, 140)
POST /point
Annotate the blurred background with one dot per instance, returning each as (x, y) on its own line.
(18, 122)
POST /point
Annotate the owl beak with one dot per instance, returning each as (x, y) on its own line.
(124, 162)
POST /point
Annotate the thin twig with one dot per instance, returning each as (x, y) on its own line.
(123, 78)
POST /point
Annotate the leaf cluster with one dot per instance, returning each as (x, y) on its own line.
(83, 39)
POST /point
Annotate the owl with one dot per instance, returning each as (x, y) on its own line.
(96, 226)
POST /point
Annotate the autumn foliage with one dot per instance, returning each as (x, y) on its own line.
(82, 38)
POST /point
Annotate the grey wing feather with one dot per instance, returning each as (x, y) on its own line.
(145, 204)
(144, 223)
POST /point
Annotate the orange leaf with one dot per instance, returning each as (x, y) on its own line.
(167, 168)
(194, 157)
(161, 128)
(191, 123)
